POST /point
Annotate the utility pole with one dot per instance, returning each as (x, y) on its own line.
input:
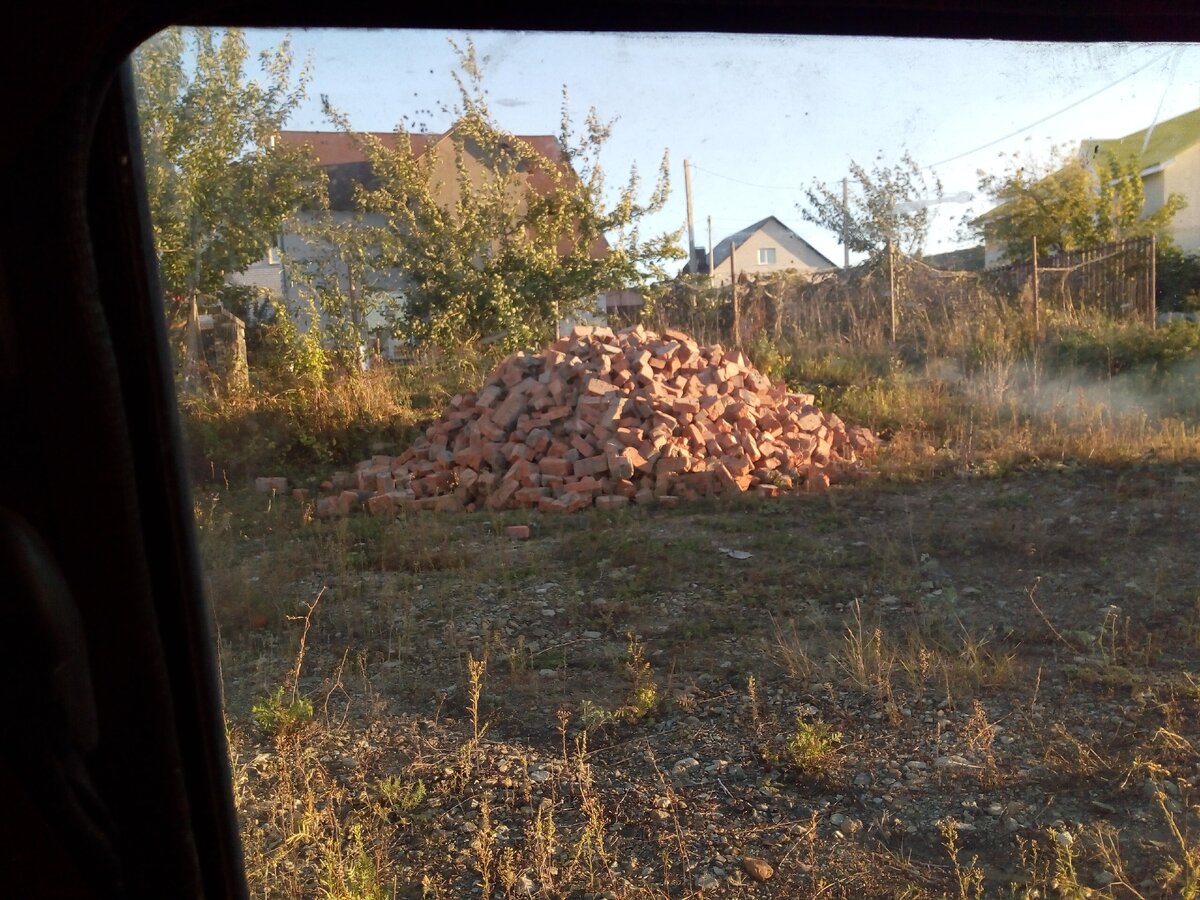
(687, 189)
(845, 223)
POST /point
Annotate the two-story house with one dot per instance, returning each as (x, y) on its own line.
(346, 165)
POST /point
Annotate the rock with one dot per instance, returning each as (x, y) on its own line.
(758, 869)
(707, 882)
(685, 765)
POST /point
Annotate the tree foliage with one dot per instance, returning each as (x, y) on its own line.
(875, 212)
(486, 237)
(1069, 205)
(218, 182)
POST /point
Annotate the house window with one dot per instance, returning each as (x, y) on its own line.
(766, 256)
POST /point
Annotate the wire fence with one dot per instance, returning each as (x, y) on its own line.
(904, 298)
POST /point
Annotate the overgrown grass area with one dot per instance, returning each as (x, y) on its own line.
(992, 395)
(284, 425)
(975, 674)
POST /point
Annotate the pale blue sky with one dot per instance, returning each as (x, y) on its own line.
(761, 117)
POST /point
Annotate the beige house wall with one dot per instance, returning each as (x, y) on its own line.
(444, 178)
(1183, 177)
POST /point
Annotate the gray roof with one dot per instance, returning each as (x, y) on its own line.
(721, 251)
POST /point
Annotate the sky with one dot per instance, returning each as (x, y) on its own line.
(761, 118)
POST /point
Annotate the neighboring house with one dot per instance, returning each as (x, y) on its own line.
(346, 165)
(1169, 163)
(766, 246)
(701, 257)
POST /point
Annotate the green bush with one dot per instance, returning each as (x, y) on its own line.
(1104, 346)
(277, 715)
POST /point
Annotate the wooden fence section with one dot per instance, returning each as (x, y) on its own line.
(1118, 278)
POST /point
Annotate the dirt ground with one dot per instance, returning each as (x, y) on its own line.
(982, 686)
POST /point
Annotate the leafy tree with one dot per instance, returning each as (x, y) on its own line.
(1070, 206)
(876, 212)
(342, 283)
(219, 184)
(506, 241)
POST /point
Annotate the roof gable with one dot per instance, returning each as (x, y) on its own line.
(721, 251)
(342, 157)
(1167, 140)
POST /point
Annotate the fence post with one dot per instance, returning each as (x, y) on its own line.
(737, 310)
(1153, 304)
(1037, 321)
(892, 285)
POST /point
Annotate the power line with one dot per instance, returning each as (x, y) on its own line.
(1012, 134)
(770, 187)
(1163, 98)
(1054, 114)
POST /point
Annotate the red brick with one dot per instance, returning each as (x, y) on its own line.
(620, 465)
(593, 465)
(808, 420)
(611, 501)
(815, 480)
(347, 502)
(469, 457)
(549, 465)
(529, 496)
(576, 502)
(380, 505)
(724, 479)
(585, 486)
(553, 504)
(670, 465)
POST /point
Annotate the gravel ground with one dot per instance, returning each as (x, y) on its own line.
(969, 687)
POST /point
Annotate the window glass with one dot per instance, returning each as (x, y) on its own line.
(561, 544)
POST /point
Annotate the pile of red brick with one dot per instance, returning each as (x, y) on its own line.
(603, 418)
